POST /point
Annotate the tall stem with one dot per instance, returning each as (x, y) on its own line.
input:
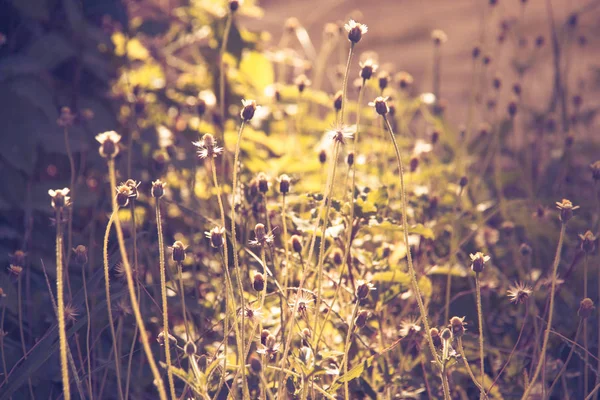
(586, 357)
(62, 333)
(111, 322)
(566, 363)
(165, 305)
(182, 294)
(411, 269)
(461, 351)
(480, 322)
(130, 285)
(88, 332)
(347, 349)
(345, 84)
(137, 285)
(538, 369)
(222, 68)
(72, 194)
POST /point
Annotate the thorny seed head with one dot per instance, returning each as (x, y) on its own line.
(263, 182)
(435, 337)
(207, 147)
(133, 187)
(66, 118)
(297, 244)
(71, 313)
(178, 251)
(258, 282)
(439, 37)
(302, 82)
(519, 292)
(588, 242)
(595, 168)
(60, 198)
(477, 261)
(81, 255)
(355, 31)
(341, 134)
(363, 288)
(361, 318)
(248, 109)
(409, 327)
(457, 326)
(367, 69)
(337, 100)
(566, 210)
(253, 314)
(158, 189)
(109, 143)
(586, 308)
(123, 195)
(380, 105)
(284, 184)
(216, 236)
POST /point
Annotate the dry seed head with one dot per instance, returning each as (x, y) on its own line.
(123, 195)
(361, 318)
(234, 5)
(383, 79)
(161, 339)
(355, 31)
(263, 336)
(464, 181)
(367, 69)
(60, 198)
(15, 270)
(255, 365)
(248, 109)
(380, 105)
(71, 313)
(338, 257)
(323, 156)
(81, 255)
(363, 288)
(446, 334)
(178, 252)
(586, 308)
(263, 182)
(350, 158)
(566, 210)
(216, 236)
(457, 325)
(133, 187)
(18, 257)
(207, 147)
(478, 260)
(588, 242)
(158, 189)
(404, 79)
(340, 134)
(413, 164)
(519, 292)
(476, 52)
(284, 184)
(258, 282)
(435, 337)
(525, 249)
(109, 143)
(190, 348)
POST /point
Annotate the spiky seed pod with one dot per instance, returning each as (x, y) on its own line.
(566, 210)
(367, 69)
(355, 31)
(59, 198)
(216, 236)
(158, 189)
(362, 289)
(263, 182)
(18, 257)
(302, 82)
(413, 164)
(380, 105)
(478, 261)
(439, 37)
(123, 195)
(109, 144)
(133, 188)
(588, 242)
(248, 109)
(178, 252)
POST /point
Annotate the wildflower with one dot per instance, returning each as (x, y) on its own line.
(60, 198)
(595, 168)
(133, 188)
(178, 251)
(355, 31)
(66, 118)
(588, 242)
(158, 189)
(216, 236)
(361, 318)
(435, 337)
(18, 257)
(304, 302)
(586, 308)
(207, 147)
(258, 282)
(123, 195)
(519, 292)
(297, 243)
(253, 314)
(263, 336)
(270, 348)
(439, 37)
(81, 254)
(15, 270)
(306, 336)
(367, 69)
(263, 182)
(302, 82)
(248, 109)
(261, 238)
(71, 313)
(340, 134)
(363, 288)
(457, 326)
(477, 261)
(284, 184)
(190, 348)
(380, 105)
(409, 327)
(109, 147)
(161, 338)
(566, 210)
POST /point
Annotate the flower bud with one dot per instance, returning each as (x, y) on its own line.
(446, 334)
(436, 338)
(362, 289)
(457, 326)
(190, 348)
(338, 257)
(263, 182)
(81, 255)
(158, 189)
(248, 109)
(361, 318)
(297, 244)
(337, 101)
(178, 251)
(355, 31)
(258, 282)
(586, 308)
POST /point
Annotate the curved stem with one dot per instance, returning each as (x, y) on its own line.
(461, 351)
(130, 285)
(111, 322)
(411, 269)
(165, 305)
(62, 333)
(345, 84)
(480, 322)
(538, 369)
(566, 363)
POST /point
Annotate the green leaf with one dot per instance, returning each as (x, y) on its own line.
(422, 230)
(379, 197)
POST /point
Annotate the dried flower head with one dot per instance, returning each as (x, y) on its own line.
(446, 334)
(586, 308)
(566, 210)
(409, 327)
(519, 292)
(234, 5)
(435, 337)
(363, 288)
(381, 106)
(588, 242)
(60, 198)
(178, 251)
(270, 348)
(383, 79)
(337, 100)
(161, 339)
(248, 109)
(341, 134)
(477, 261)
(361, 318)
(207, 147)
(71, 313)
(190, 348)
(253, 314)
(404, 79)
(216, 236)
(81, 255)
(264, 334)
(284, 184)
(261, 238)
(15, 270)
(367, 69)
(322, 156)
(263, 182)
(337, 256)
(109, 143)
(304, 302)
(439, 37)
(296, 243)
(355, 31)
(457, 326)
(123, 195)
(133, 187)
(158, 189)
(258, 282)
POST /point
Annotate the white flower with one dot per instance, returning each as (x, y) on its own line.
(340, 134)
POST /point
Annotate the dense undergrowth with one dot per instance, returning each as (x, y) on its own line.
(234, 216)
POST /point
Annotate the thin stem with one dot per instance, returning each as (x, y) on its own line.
(62, 333)
(347, 348)
(182, 294)
(586, 356)
(445, 385)
(345, 84)
(411, 268)
(480, 322)
(222, 67)
(130, 285)
(285, 245)
(538, 369)
(111, 322)
(88, 332)
(461, 351)
(72, 194)
(566, 363)
(165, 305)
(137, 285)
